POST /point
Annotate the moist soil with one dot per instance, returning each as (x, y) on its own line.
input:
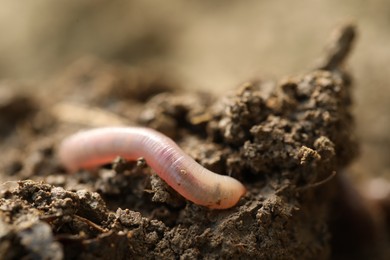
(289, 142)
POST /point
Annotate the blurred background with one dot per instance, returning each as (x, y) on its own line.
(208, 45)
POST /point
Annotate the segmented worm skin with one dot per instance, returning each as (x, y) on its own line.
(98, 146)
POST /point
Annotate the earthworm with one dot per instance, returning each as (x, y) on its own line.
(91, 148)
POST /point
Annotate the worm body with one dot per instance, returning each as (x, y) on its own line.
(194, 182)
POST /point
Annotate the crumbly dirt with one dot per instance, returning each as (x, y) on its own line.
(289, 142)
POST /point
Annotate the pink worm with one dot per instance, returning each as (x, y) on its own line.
(99, 146)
